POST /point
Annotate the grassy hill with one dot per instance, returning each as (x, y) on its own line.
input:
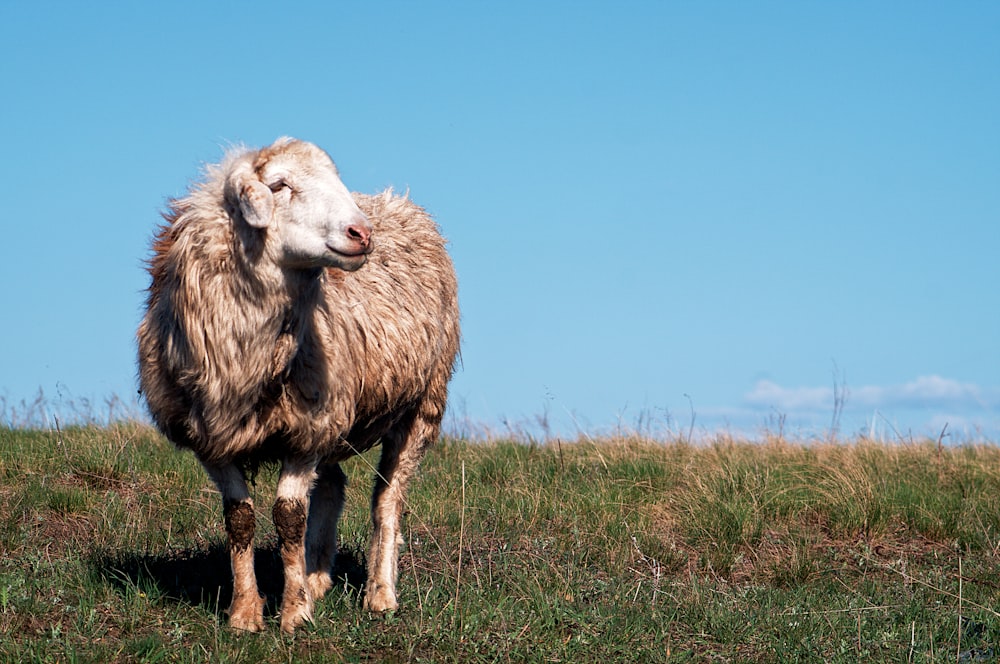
(112, 549)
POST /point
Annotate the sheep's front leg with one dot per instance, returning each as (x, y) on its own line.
(325, 506)
(290, 510)
(247, 609)
(402, 451)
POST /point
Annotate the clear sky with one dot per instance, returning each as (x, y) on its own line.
(738, 210)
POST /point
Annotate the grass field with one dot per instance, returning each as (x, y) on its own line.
(112, 549)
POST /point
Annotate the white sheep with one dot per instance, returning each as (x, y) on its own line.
(290, 321)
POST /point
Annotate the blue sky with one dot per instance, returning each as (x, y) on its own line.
(740, 210)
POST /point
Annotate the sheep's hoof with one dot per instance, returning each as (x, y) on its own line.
(247, 614)
(295, 618)
(296, 609)
(380, 599)
(319, 583)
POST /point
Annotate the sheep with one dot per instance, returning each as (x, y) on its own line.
(290, 321)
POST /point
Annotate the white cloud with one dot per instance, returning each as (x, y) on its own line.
(934, 392)
(766, 394)
(922, 406)
(925, 392)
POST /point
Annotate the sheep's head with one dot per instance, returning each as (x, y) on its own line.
(291, 191)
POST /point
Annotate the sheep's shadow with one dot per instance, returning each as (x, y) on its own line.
(203, 577)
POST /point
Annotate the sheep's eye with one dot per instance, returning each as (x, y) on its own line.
(278, 185)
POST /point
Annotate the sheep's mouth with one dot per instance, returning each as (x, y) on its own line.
(361, 252)
(346, 260)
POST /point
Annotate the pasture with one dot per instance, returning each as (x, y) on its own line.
(621, 549)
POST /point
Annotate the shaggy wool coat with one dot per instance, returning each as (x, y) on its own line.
(242, 361)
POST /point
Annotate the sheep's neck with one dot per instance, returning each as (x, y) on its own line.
(273, 326)
(245, 373)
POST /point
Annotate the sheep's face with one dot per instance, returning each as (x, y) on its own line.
(292, 191)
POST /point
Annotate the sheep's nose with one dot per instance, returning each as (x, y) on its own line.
(361, 234)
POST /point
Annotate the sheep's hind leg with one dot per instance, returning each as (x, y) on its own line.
(325, 506)
(246, 612)
(402, 450)
(290, 512)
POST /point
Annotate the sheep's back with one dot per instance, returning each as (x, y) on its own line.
(386, 335)
(405, 301)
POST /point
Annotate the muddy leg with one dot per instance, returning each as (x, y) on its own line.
(247, 609)
(402, 450)
(325, 506)
(290, 510)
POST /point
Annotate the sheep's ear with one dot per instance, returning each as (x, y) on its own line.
(253, 197)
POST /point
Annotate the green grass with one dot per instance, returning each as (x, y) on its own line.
(112, 549)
